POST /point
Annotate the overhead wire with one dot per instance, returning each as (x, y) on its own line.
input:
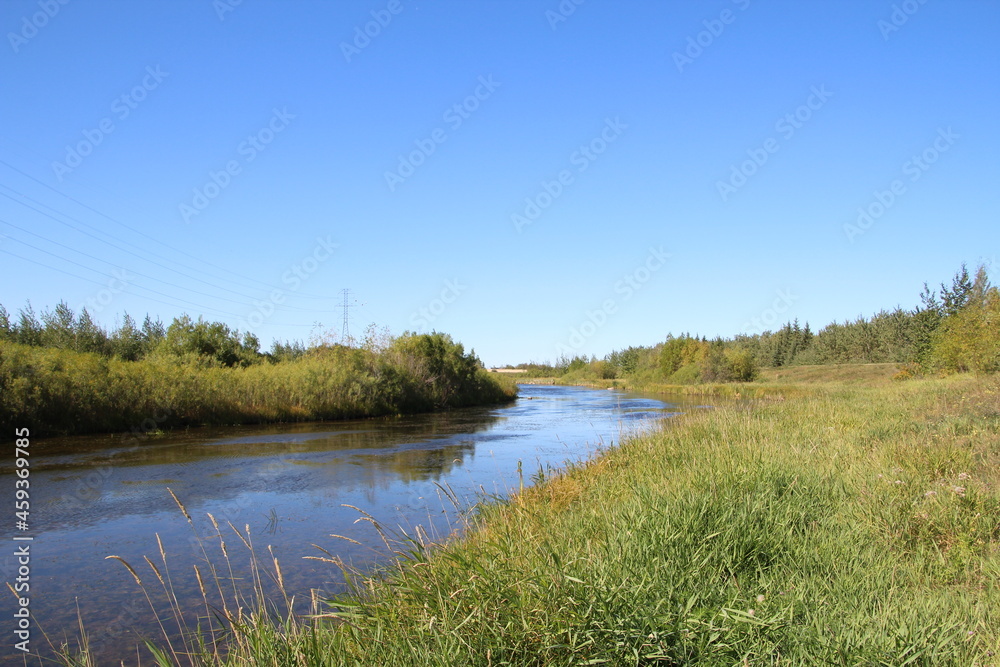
(143, 234)
(165, 282)
(148, 289)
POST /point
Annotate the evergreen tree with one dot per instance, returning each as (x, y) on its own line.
(58, 327)
(5, 329)
(955, 298)
(28, 330)
(90, 336)
(126, 341)
(151, 335)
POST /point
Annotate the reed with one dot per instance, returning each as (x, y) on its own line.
(59, 391)
(847, 525)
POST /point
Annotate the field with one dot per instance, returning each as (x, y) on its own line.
(850, 524)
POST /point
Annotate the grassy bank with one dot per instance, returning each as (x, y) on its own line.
(62, 391)
(831, 373)
(847, 525)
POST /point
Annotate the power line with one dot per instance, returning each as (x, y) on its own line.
(346, 305)
(89, 280)
(105, 241)
(159, 280)
(143, 234)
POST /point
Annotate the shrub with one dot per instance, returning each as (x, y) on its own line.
(57, 391)
(969, 340)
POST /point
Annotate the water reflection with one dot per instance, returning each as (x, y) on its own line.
(94, 496)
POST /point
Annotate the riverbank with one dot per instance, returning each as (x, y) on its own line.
(777, 383)
(55, 391)
(847, 525)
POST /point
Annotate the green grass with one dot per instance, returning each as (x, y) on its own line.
(847, 525)
(838, 373)
(59, 391)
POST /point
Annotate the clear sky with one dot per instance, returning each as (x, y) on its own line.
(534, 177)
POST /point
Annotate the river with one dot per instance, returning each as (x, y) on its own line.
(93, 496)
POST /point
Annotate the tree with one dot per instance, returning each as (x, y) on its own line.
(624, 362)
(980, 287)
(59, 327)
(969, 340)
(741, 365)
(211, 342)
(152, 334)
(126, 341)
(955, 298)
(5, 330)
(285, 351)
(90, 337)
(251, 343)
(28, 330)
(930, 302)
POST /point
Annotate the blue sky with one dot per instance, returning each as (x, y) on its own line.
(533, 177)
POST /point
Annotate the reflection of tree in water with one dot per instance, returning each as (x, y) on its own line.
(419, 465)
(304, 473)
(216, 467)
(191, 445)
(276, 439)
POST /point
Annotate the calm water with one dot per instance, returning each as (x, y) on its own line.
(289, 482)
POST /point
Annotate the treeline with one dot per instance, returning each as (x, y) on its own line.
(63, 374)
(213, 343)
(955, 328)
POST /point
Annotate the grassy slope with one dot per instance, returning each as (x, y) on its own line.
(840, 373)
(849, 525)
(785, 381)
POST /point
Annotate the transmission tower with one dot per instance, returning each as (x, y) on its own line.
(345, 334)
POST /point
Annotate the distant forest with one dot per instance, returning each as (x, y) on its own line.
(955, 328)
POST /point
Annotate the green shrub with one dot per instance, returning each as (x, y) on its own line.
(969, 340)
(62, 391)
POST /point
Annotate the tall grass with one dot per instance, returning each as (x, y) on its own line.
(62, 391)
(845, 526)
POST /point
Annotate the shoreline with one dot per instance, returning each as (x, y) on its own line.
(729, 535)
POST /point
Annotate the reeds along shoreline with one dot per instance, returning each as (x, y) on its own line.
(59, 391)
(847, 525)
